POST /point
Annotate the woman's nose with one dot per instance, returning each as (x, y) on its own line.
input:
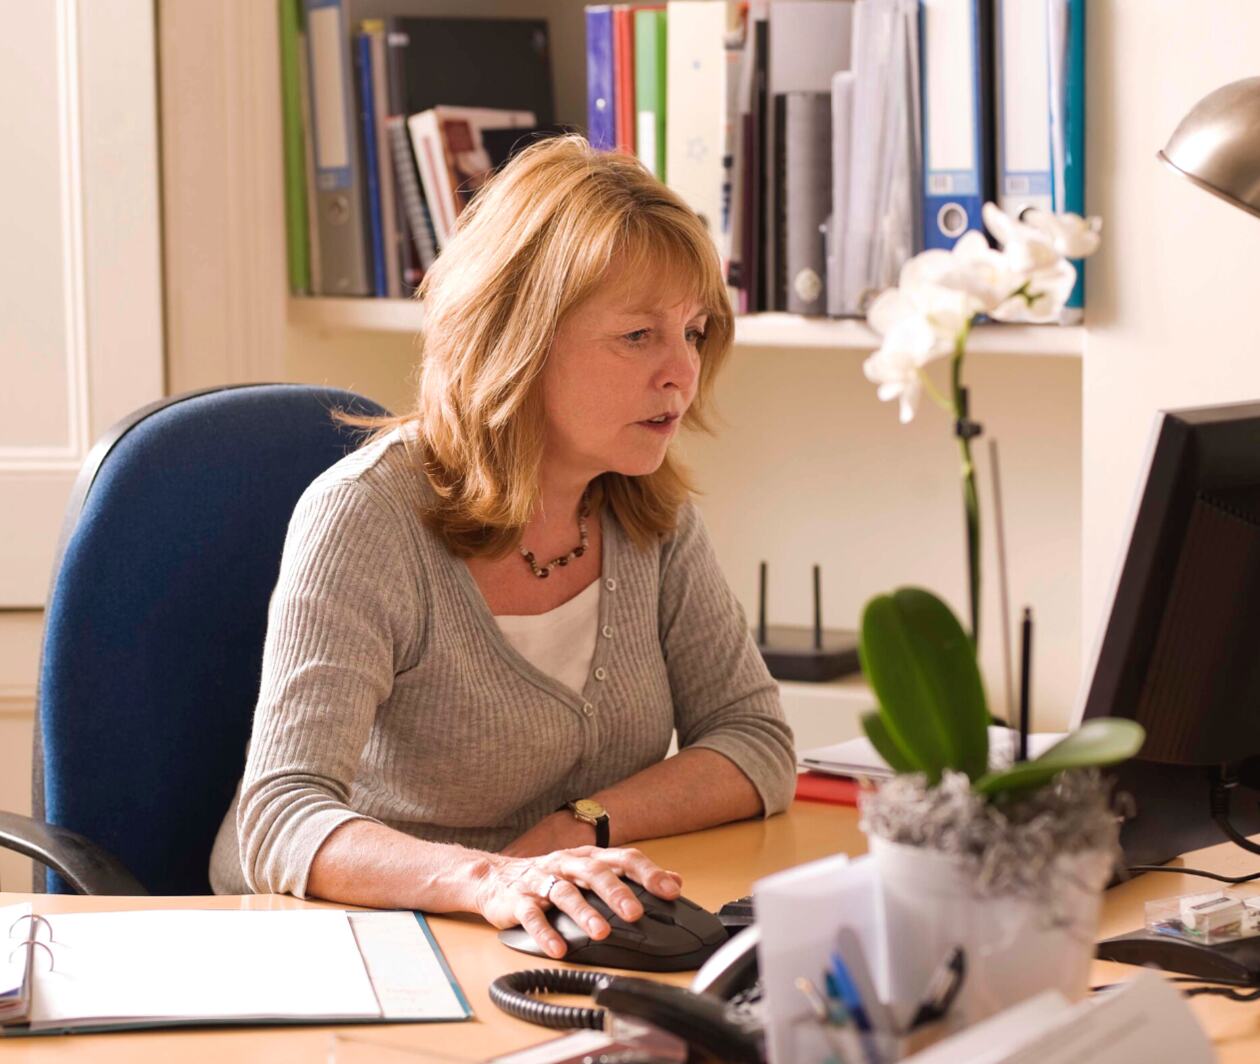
(681, 368)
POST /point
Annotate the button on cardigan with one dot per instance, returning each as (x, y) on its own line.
(388, 692)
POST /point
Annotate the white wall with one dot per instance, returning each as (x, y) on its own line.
(1172, 295)
(809, 467)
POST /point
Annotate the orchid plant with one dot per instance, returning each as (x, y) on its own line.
(939, 296)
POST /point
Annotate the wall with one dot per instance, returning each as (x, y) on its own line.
(809, 467)
(1172, 293)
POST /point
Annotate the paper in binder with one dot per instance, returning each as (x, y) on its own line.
(878, 225)
(83, 971)
(339, 199)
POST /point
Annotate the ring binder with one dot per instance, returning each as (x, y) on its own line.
(52, 961)
(34, 918)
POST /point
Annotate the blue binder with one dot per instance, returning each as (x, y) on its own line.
(1067, 109)
(957, 46)
(367, 127)
(601, 111)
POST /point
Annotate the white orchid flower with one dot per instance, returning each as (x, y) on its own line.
(1048, 290)
(1026, 248)
(909, 344)
(1072, 236)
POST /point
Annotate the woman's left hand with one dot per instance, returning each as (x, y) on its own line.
(559, 831)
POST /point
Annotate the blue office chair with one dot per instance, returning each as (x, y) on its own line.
(154, 631)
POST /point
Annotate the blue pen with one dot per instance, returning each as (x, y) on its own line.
(840, 985)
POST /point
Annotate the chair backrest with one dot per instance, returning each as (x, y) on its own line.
(155, 622)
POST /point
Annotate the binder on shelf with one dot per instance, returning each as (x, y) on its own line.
(601, 99)
(1067, 110)
(371, 165)
(391, 234)
(650, 89)
(73, 973)
(730, 234)
(295, 218)
(808, 43)
(804, 122)
(842, 86)
(499, 63)
(695, 125)
(623, 71)
(338, 182)
(1022, 106)
(957, 117)
(403, 169)
(419, 225)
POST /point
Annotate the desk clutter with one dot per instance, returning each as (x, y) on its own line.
(107, 971)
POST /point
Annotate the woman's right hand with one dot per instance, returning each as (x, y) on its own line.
(518, 890)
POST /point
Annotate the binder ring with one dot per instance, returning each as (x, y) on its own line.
(35, 919)
(52, 960)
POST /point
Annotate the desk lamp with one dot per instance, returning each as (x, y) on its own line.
(1217, 145)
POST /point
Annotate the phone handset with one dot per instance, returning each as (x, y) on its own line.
(698, 1019)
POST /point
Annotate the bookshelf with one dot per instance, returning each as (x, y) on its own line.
(776, 330)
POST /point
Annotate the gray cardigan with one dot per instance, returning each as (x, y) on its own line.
(388, 692)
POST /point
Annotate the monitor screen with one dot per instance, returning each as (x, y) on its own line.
(1180, 653)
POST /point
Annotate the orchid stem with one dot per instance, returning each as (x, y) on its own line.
(966, 429)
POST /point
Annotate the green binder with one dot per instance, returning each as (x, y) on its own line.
(295, 215)
(649, 89)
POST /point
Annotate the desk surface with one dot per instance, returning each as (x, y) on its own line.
(717, 865)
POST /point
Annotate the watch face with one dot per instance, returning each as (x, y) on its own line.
(588, 807)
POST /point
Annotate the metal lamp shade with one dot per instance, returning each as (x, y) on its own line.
(1217, 145)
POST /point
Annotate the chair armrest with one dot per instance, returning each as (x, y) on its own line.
(87, 867)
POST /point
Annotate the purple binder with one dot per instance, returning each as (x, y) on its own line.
(601, 111)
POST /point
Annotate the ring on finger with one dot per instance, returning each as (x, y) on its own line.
(550, 886)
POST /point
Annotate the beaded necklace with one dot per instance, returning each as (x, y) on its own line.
(544, 571)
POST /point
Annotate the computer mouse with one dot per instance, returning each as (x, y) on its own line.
(670, 936)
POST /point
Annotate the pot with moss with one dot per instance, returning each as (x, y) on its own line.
(1007, 862)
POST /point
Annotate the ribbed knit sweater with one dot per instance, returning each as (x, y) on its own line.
(388, 692)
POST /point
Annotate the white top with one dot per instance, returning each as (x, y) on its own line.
(560, 642)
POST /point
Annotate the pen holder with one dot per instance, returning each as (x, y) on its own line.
(1015, 947)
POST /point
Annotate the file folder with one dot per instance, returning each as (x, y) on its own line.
(339, 205)
(957, 117)
(1022, 106)
(601, 102)
(1067, 122)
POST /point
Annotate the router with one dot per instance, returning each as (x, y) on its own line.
(812, 655)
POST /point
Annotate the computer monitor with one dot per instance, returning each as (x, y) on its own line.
(1180, 653)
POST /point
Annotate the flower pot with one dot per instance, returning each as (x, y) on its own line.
(1016, 946)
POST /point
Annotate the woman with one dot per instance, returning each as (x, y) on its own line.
(506, 601)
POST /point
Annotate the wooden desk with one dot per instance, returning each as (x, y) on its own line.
(717, 865)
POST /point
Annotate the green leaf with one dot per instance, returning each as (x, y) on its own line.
(899, 759)
(922, 667)
(1101, 741)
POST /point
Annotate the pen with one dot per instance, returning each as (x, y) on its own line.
(942, 988)
(832, 1017)
(840, 984)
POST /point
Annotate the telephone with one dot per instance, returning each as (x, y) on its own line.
(719, 1017)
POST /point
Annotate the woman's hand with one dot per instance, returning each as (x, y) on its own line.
(518, 890)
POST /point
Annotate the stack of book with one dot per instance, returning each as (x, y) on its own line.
(391, 124)
(827, 141)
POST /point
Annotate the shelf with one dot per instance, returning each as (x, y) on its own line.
(751, 330)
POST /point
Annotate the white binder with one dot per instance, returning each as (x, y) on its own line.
(1023, 106)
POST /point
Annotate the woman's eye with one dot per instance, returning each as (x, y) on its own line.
(697, 336)
(636, 336)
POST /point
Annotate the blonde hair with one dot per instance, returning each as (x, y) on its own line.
(535, 242)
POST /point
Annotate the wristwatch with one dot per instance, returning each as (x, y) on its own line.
(591, 812)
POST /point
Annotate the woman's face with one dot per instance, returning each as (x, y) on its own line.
(627, 355)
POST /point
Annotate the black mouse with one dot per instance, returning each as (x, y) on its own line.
(670, 936)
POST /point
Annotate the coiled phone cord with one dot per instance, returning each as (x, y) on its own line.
(512, 992)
